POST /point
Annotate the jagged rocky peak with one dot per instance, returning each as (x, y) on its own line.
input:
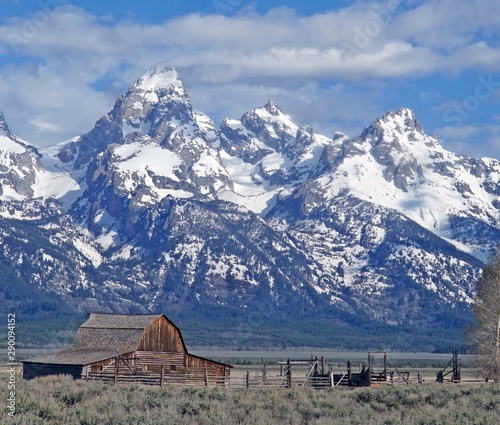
(161, 81)
(19, 164)
(154, 106)
(402, 120)
(397, 131)
(11, 143)
(271, 126)
(158, 88)
(4, 128)
(3, 123)
(150, 146)
(271, 113)
(398, 144)
(272, 108)
(157, 78)
(258, 133)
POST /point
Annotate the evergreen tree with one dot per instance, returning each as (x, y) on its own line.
(486, 310)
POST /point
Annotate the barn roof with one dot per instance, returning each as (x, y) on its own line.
(120, 332)
(75, 357)
(119, 321)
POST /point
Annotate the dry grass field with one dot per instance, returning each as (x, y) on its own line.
(60, 400)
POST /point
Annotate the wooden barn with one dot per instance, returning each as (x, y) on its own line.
(130, 348)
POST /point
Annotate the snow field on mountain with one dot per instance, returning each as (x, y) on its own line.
(249, 189)
(157, 79)
(7, 147)
(140, 157)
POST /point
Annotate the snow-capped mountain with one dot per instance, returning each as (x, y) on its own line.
(22, 174)
(156, 209)
(394, 164)
(267, 154)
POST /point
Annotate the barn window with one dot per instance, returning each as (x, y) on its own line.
(173, 367)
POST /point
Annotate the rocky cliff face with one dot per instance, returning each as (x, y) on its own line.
(156, 209)
(19, 165)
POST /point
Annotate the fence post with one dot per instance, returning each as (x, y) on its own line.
(332, 380)
(248, 379)
(385, 366)
(162, 375)
(206, 377)
(456, 366)
(289, 374)
(264, 372)
(117, 359)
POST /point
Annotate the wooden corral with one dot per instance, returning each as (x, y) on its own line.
(319, 376)
(455, 370)
(130, 348)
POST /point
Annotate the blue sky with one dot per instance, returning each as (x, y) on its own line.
(334, 65)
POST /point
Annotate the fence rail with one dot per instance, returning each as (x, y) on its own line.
(200, 379)
(188, 379)
(314, 372)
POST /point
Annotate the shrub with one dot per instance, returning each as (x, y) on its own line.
(58, 400)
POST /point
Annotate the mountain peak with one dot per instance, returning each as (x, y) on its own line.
(272, 108)
(405, 112)
(403, 119)
(158, 78)
(3, 125)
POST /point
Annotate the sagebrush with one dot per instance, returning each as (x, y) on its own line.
(60, 400)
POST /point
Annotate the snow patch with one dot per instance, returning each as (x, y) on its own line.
(88, 252)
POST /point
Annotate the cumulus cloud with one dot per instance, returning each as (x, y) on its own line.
(63, 67)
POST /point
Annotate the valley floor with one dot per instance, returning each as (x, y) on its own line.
(60, 400)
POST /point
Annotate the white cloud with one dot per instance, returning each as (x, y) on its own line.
(309, 64)
(46, 126)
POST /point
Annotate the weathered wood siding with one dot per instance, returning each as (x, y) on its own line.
(180, 363)
(200, 362)
(108, 364)
(163, 336)
(171, 362)
(193, 362)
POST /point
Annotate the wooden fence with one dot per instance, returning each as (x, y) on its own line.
(189, 377)
(292, 373)
(203, 377)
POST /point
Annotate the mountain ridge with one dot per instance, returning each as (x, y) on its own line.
(162, 210)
